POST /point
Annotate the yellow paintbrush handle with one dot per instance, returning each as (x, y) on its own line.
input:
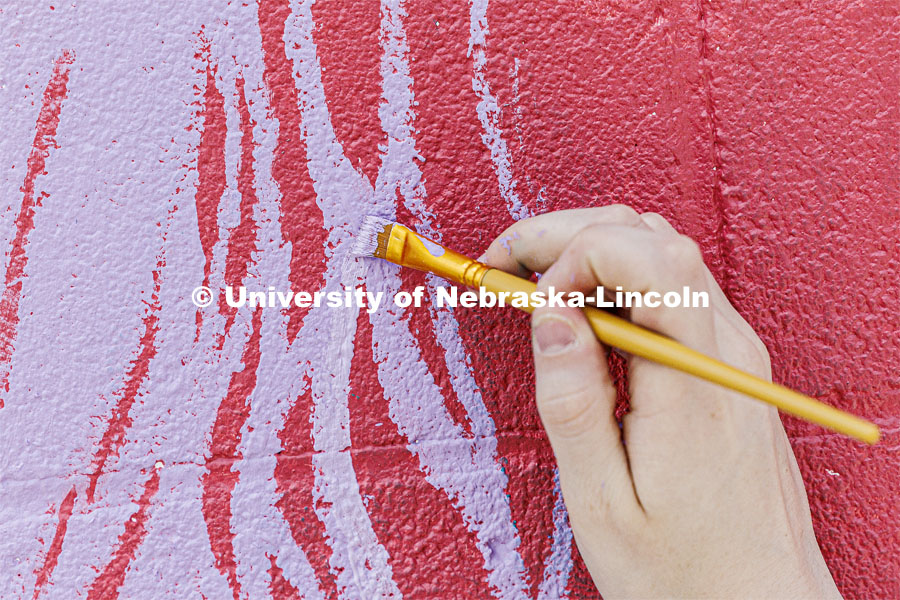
(642, 342)
(404, 247)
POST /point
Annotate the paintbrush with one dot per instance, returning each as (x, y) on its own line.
(400, 245)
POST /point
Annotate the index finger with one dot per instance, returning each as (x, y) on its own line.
(532, 245)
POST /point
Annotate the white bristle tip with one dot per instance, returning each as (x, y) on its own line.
(367, 239)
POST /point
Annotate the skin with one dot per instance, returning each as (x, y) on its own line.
(698, 495)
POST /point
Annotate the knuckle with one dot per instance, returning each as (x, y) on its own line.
(656, 221)
(660, 318)
(682, 252)
(585, 240)
(567, 414)
(622, 212)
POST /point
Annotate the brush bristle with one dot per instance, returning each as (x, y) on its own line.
(373, 237)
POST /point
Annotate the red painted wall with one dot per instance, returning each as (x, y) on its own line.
(769, 132)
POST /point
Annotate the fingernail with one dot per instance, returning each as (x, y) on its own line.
(482, 257)
(554, 335)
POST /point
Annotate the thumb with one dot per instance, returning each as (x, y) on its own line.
(576, 401)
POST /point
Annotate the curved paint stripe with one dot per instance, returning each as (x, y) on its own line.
(559, 564)
(296, 482)
(120, 420)
(220, 477)
(210, 163)
(398, 348)
(107, 584)
(391, 482)
(46, 570)
(489, 111)
(262, 533)
(222, 464)
(359, 561)
(242, 242)
(348, 48)
(210, 169)
(279, 587)
(44, 139)
(91, 538)
(465, 469)
(301, 216)
(446, 330)
(421, 321)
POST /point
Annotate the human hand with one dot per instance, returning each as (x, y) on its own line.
(699, 494)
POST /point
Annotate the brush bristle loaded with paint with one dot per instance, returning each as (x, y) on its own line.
(373, 237)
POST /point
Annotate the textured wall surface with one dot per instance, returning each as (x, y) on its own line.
(151, 449)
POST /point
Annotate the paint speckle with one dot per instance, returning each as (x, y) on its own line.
(506, 240)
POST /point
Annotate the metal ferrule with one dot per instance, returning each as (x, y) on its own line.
(407, 248)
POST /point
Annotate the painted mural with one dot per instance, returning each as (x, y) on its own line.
(154, 448)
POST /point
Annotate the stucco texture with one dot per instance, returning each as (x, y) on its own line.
(153, 449)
